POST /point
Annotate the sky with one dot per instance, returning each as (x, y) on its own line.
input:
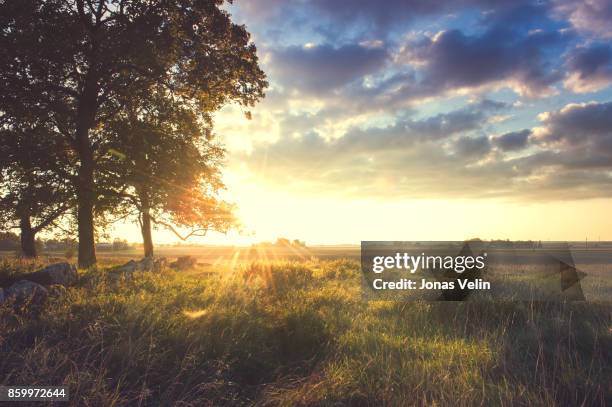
(422, 120)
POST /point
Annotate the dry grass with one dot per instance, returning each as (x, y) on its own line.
(298, 333)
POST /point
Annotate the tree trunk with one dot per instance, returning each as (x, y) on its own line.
(28, 238)
(85, 207)
(143, 195)
(145, 222)
(86, 195)
(147, 238)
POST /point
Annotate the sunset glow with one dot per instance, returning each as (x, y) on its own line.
(486, 121)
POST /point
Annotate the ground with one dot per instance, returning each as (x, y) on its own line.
(299, 333)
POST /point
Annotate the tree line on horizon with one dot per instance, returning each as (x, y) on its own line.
(10, 242)
(106, 114)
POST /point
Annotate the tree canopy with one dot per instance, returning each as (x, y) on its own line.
(82, 62)
(168, 166)
(34, 192)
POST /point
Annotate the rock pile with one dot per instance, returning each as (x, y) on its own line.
(60, 273)
(147, 264)
(34, 288)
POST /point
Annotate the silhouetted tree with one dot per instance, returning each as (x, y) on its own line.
(84, 60)
(166, 158)
(33, 190)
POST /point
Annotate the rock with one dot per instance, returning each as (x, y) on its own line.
(184, 263)
(126, 270)
(147, 264)
(129, 267)
(159, 264)
(27, 292)
(59, 273)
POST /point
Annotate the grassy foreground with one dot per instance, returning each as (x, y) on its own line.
(299, 334)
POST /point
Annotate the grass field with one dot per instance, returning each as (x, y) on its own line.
(298, 333)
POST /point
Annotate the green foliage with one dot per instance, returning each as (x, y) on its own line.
(298, 333)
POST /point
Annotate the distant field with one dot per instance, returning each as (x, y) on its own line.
(225, 254)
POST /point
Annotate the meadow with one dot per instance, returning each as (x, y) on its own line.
(285, 333)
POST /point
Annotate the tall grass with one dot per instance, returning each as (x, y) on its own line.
(298, 333)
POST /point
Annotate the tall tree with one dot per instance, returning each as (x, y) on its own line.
(165, 155)
(110, 52)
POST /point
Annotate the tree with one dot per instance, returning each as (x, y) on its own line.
(33, 194)
(167, 160)
(109, 53)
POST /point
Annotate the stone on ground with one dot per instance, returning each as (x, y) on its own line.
(184, 263)
(27, 292)
(59, 273)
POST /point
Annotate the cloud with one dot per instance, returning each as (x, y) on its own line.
(324, 68)
(568, 156)
(352, 20)
(377, 154)
(347, 114)
(513, 141)
(370, 19)
(404, 131)
(573, 156)
(455, 60)
(351, 71)
(515, 46)
(589, 68)
(472, 147)
(355, 79)
(589, 16)
(578, 124)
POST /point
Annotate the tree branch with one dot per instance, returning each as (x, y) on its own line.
(194, 232)
(51, 218)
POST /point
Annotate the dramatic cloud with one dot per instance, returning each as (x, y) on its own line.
(402, 134)
(590, 68)
(509, 45)
(578, 124)
(357, 19)
(453, 59)
(379, 100)
(370, 18)
(516, 47)
(323, 68)
(447, 155)
(516, 44)
(377, 152)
